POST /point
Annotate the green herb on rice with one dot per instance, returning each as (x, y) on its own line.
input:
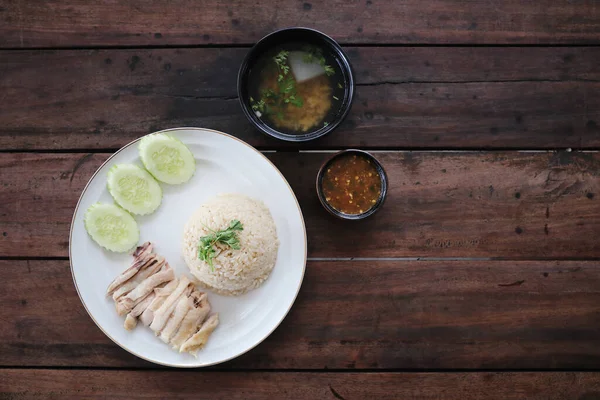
(228, 236)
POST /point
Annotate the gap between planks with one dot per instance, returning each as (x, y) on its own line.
(378, 259)
(216, 369)
(250, 44)
(332, 150)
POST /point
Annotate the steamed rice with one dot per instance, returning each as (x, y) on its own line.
(235, 271)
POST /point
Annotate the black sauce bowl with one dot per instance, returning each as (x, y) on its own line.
(289, 35)
(370, 211)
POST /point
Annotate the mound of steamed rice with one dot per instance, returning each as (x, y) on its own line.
(235, 271)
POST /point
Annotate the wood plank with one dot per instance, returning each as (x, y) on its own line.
(440, 204)
(65, 23)
(407, 97)
(352, 315)
(78, 384)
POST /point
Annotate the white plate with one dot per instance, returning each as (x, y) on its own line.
(224, 165)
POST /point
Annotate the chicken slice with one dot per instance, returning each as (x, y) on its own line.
(183, 306)
(162, 315)
(131, 319)
(140, 254)
(126, 303)
(164, 275)
(160, 295)
(147, 316)
(164, 311)
(149, 267)
(166, 290)
(121, 279)
(143, 305)
(192, 319)
(143, 250)
(173, 308)
(199, 339)
(125, 276)
(130, 322)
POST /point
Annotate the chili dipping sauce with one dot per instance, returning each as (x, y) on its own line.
(351, 184)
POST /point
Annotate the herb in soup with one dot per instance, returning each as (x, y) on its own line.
(295, 89)
(351, 184)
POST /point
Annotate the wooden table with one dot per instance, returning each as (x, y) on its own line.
(480, 278)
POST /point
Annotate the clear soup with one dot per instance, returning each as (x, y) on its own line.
(296, 88)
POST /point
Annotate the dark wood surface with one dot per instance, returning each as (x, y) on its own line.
(352, 315)
(510, 205)
(65, 23)
(406, 97)
(78, 384)
(480, 277)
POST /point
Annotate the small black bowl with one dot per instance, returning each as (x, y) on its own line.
(289, 35)
(370, 211)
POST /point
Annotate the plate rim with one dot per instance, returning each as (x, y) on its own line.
(166, 364)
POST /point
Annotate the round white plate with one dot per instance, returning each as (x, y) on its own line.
(224, 164)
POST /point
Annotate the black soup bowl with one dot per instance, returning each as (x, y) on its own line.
(330, 55)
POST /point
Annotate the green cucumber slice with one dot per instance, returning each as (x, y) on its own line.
(111, 227)
(134, 189)
(167, 158)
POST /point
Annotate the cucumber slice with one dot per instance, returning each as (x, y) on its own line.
(134, 189)
(167, 158)
(111, 227)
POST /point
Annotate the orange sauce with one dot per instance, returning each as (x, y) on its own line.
(351, 184)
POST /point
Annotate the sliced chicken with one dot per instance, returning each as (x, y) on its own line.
(143, 305)
(192, 320)
(121, 279)
(147, 317)
(184, 288)
(173, 308)
(130, 322)
(132, 317)
(166, 290)
(143, 250)
(125, 276)
(145, 267)
(152, 282)
(126, 303)
(140, 254)
(149, 267)
(161, 295)
(199, 339)
(181, 309)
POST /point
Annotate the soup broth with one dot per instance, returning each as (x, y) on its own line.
(296, 88)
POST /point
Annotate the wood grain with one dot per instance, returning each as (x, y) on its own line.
(352, 315)
(407, 97)
(77, 384)
(64, 23)
(440, 204)
(81, 79)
